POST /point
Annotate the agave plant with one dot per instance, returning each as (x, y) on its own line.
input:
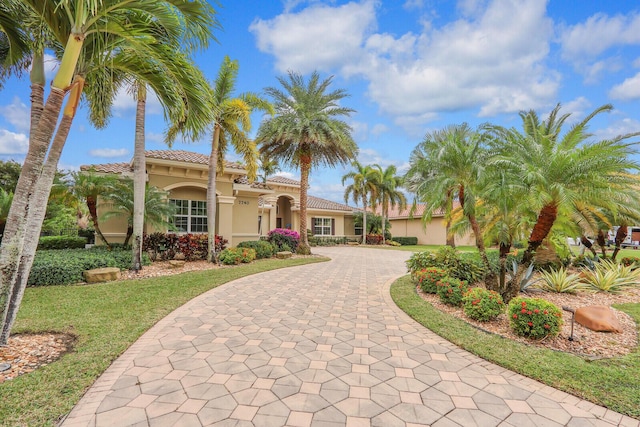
(561, 281)
(526, 281)
(609, 276)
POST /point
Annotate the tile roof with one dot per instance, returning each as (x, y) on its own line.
(318, 203)
(283, 180)
(109, 168)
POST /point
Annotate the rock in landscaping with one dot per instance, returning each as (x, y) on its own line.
(99, 275)
(175, 264)
(283, 255)
(598, 318)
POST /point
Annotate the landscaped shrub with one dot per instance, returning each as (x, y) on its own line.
(263, 248)
(165, 246)
(608, 276)
(374, 239)
(451, 290)
(392, 243)
(482, 305)
(54, 267)
(428, 278)
(61, 242)
(419, 261)
(231, 256)
(630, 261)
(405, 241)
(281, 237)
(534, 317)
(561, 281)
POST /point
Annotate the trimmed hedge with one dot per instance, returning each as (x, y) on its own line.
(61, 242)
(54, 267)
(406, 241)
(263, 248)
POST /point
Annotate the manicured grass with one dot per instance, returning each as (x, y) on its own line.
(613, 383)
(107, 319)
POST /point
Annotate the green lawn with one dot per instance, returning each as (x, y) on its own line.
(614, 383)
(107, 319)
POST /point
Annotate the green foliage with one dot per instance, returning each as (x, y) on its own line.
(419, 261)
(608, 276)
(482, 305)
(405, 241)
(534, 317)
(561, 281)
(327, 240)
(428, 278)
(526, 280)
(584, 261)
(630, 261)
(55, 267)
(393, 243)
(263, 248)
(234, 256)
(451, 290)
(9, 174)
(165, 246)
(61, 242)
(374, 239)
(284, 239)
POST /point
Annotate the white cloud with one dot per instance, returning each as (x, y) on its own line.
(13, 143)
(487, 60)
(17, 114)
(155, 137)
(369, 156)
(627, 90)
(599, 33)
(109, 152)
(124, 103)
(620, 127)
(379, 129)
(319, 37)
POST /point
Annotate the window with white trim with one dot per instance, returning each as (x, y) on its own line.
(191, 216)
(322, 226)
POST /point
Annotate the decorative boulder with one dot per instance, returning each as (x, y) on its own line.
(175, 264)
(284, 255)
(98, 275)
(598, 318)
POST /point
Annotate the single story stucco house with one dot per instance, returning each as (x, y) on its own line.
(245, 211)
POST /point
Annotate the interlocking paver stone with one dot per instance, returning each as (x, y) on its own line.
(319, 345)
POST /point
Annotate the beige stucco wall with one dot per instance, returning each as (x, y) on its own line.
(433, 234)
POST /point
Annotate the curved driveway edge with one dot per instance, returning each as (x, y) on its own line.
(316, 345)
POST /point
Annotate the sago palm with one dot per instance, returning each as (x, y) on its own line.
(307, 131)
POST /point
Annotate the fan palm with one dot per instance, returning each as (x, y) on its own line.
(558, 171)
(307, 131)
(362, 189)
(231, 122)
(387, 183)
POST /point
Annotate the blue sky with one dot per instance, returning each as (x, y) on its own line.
(410, 67)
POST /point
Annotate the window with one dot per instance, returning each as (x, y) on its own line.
(323, 226)
(358, 229)
(191, 216)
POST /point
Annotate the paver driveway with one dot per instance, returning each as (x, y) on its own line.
(316, 345)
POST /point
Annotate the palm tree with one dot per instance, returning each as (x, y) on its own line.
(387, 183)
(362, 189)
(559, 170)
(306, 132)
(158, 210)
(268, 167)
(77, 31)
(231, 123)
(447, 165)
(88, 186)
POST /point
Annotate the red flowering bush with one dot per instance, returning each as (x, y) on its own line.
(482, 305)
(534, 317)
(428, 277)
(451, 290)
(233, 256)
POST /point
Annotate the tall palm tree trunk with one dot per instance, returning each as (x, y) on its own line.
(92, 205)
(541, 229)
(621, 234)
(36, 213)
(364, 221)
(139, 179)
(477, 233)
(305, 168)
(212, 255)
(502, 261)
(23, 201)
